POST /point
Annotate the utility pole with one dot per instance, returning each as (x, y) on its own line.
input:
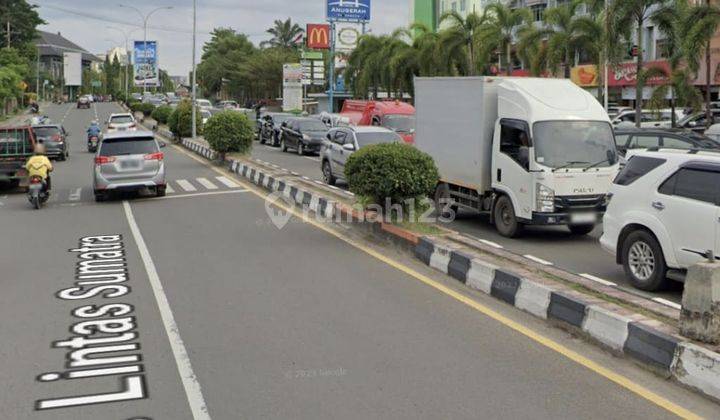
(606, 63)
(331, 91)
(194, 72)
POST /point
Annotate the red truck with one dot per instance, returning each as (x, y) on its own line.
(392, 114)
(16, 146)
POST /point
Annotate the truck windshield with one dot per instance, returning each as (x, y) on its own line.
(574, 144)
(400, 123)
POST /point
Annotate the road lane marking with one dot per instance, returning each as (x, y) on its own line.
(538, 260)
(619, 379)
(186, 185)
(190, 382)
(314, 159)
(491, 243)
(75, 195)
(598, 280)
(668, 303)
(227, 181)
(206, 183)
(194, 195)
(169, 189)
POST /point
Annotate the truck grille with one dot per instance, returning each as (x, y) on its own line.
(579, 203)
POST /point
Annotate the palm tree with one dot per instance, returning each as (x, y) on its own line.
(283, 34)
(563, 35)
(417, 57)
(463, 33)
(632, 14)
(532, 49)
(498, 31)
(365, 64)
(675, 20)
(704, 20)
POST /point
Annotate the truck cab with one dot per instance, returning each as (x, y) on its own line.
(529, 151)
(17, 144)
(392, 114)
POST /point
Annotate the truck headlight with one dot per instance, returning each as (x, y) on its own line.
(545, 199)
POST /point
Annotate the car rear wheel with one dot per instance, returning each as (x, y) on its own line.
(328, 176)
(644, 262)
(160, 191)
(505, 221)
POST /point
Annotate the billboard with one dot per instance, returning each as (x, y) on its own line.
(72, 69)
(146, 64)
(292, 86)
(347, 36)
(318, 36)
(358, 10)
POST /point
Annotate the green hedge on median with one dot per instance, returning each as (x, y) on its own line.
(180, 121)
(395, 171)
(161, 114)
(229, 132)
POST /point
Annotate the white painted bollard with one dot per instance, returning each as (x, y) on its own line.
(700, 314)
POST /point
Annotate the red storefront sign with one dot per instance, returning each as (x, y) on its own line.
(625, 74)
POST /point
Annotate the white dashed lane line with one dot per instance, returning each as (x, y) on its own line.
(599, 280)
(538, 260)
(492, 244)
(668, 303)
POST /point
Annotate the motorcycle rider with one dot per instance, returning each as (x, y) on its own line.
(93, 131)
(39, 165)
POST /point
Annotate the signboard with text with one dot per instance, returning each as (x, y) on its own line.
(146, 64)
(347, 36)
(350, 10)
(318, 36)
(292, 86)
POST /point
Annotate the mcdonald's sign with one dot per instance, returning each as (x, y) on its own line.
(318, 36)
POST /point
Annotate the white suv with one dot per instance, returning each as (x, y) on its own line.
(663, 214)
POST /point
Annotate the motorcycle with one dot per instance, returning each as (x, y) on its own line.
(35, 108)
(92, 144)
(37, 192)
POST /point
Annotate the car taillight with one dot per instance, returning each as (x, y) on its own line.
(155, 156)
(56, 137)
(102, 160)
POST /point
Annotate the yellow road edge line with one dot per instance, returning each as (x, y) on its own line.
(617, 378)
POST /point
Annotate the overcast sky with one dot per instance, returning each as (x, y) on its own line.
(85, 22)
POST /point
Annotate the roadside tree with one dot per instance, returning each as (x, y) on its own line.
(229, 132)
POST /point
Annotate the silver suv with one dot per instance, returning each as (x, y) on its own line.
(121, 122)
(129, 161)
(341, 142)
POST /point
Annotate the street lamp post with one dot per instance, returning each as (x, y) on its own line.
(145, 19)
(194, 71)
(126, 34)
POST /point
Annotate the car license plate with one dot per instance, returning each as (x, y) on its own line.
(122, 129)
(583, 218)
(129, 164)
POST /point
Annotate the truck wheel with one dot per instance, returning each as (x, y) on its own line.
(581, 230)
(644, 262)
(442, 198)
(505, 221)
(328, 176)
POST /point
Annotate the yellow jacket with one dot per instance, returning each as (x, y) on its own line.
(39, 165)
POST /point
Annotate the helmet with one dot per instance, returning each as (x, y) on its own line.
(94, 122)
(40, 149)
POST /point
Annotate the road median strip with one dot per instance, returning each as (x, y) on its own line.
(614, 322)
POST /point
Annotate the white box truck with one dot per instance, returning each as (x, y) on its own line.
(529, 151)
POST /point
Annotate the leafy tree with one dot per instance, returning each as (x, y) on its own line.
(564, 35)
(222, 58)
(629, 15)
(283, 34)
(462, 37)
(23, 19)
(180, 121)
(498, 32)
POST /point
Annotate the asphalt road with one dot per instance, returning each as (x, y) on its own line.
(577, 254)
(198, 306)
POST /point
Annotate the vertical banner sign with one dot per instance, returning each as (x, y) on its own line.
(72, 69)
(318, 36)
(353, 10)
(146, 64)
(292, 87)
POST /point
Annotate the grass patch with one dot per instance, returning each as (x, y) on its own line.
(421, 228)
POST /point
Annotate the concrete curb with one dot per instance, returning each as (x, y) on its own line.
(632, 335)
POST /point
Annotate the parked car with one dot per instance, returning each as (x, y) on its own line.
(270, 127)
(305, 135)
(83, 102)
(340, 143)
(129, 161)
(205, 115)
(662, 215)
(671, 138)
(697, 122)
(203, 104)
(54, 137)
(334, 120)
(121, 122)
(228, 105)
(615, 110)
(650, 118)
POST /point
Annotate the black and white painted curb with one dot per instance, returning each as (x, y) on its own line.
(200, 149)
(686, 362)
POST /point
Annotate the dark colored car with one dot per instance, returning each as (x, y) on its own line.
(83, 102)
(270, 127)
(670, 138)
(305, 135)
(54, 137)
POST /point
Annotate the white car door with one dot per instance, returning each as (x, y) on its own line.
(686, 204)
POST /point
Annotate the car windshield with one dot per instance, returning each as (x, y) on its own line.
(46, 131)
(128, 146)
(400, 123)
(121, 119)
(312, 125)
(574, 144)
(366, 139)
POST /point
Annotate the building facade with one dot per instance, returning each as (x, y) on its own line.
(51, 47)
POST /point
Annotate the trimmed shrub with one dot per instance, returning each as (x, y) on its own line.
(228, 132)
(391, 171)
(180, 121)
(133, 105)
(146, 109)
(161, 114)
